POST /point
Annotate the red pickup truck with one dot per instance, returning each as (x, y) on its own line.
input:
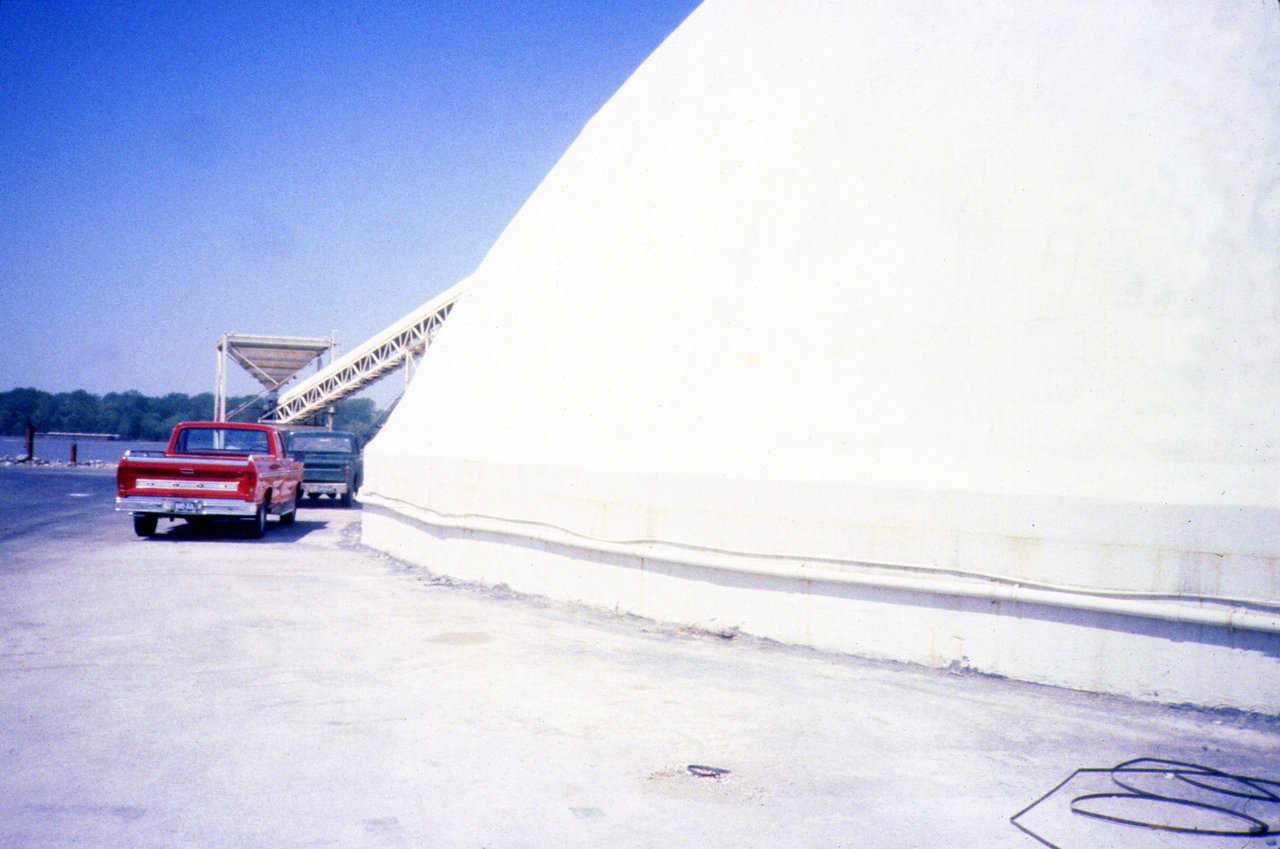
(226, 470)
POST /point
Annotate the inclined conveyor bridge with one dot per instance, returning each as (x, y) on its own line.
(395, 346)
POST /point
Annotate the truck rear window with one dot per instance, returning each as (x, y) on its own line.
(218, 440)
(320, 442)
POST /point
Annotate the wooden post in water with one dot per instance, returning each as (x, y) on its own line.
(31, 440)
(74, 451)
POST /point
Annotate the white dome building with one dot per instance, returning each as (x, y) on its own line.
(942, 332)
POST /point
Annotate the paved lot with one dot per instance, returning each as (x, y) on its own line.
(205, 690)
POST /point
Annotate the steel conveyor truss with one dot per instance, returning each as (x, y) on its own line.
(395, 346)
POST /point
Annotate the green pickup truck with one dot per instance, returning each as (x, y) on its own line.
(331, 463)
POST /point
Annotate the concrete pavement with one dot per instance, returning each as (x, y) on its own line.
(204, 690)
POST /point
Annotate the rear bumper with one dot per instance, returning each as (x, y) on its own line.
(171, 506)
(324, 487)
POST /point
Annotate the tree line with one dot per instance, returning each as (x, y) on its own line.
(132, 415)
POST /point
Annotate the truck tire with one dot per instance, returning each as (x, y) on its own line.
(258, 525)
(346, 498)
(287, 519)
(144, 525)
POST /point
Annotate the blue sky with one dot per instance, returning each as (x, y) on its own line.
(171, 171)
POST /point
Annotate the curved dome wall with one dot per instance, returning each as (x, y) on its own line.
(979, 297)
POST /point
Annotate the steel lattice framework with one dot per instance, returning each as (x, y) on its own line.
(395, 346)
(271, 360)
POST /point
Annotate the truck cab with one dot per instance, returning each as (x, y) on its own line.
(331, 463)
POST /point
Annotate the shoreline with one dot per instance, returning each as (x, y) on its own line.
(57, 465)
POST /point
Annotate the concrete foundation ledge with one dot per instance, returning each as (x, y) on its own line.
(1215, 653)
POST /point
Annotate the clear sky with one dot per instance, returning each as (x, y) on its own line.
(170, 171)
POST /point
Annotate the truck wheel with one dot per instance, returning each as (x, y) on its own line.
(143, 525)
(346, 498)
(258, 526)
(287, 519)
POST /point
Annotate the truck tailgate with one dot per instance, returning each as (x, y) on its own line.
(211, 476)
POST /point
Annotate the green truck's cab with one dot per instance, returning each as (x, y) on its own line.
(331, 463)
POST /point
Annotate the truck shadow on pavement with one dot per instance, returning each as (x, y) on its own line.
(182, 531)
(324, 502)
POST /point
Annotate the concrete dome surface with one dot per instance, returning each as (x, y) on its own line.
(982, 290)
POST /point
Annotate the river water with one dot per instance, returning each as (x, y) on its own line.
(58, 449)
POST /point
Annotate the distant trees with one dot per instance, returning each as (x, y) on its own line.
(132, 415)
(19, 405)
(354, 414)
